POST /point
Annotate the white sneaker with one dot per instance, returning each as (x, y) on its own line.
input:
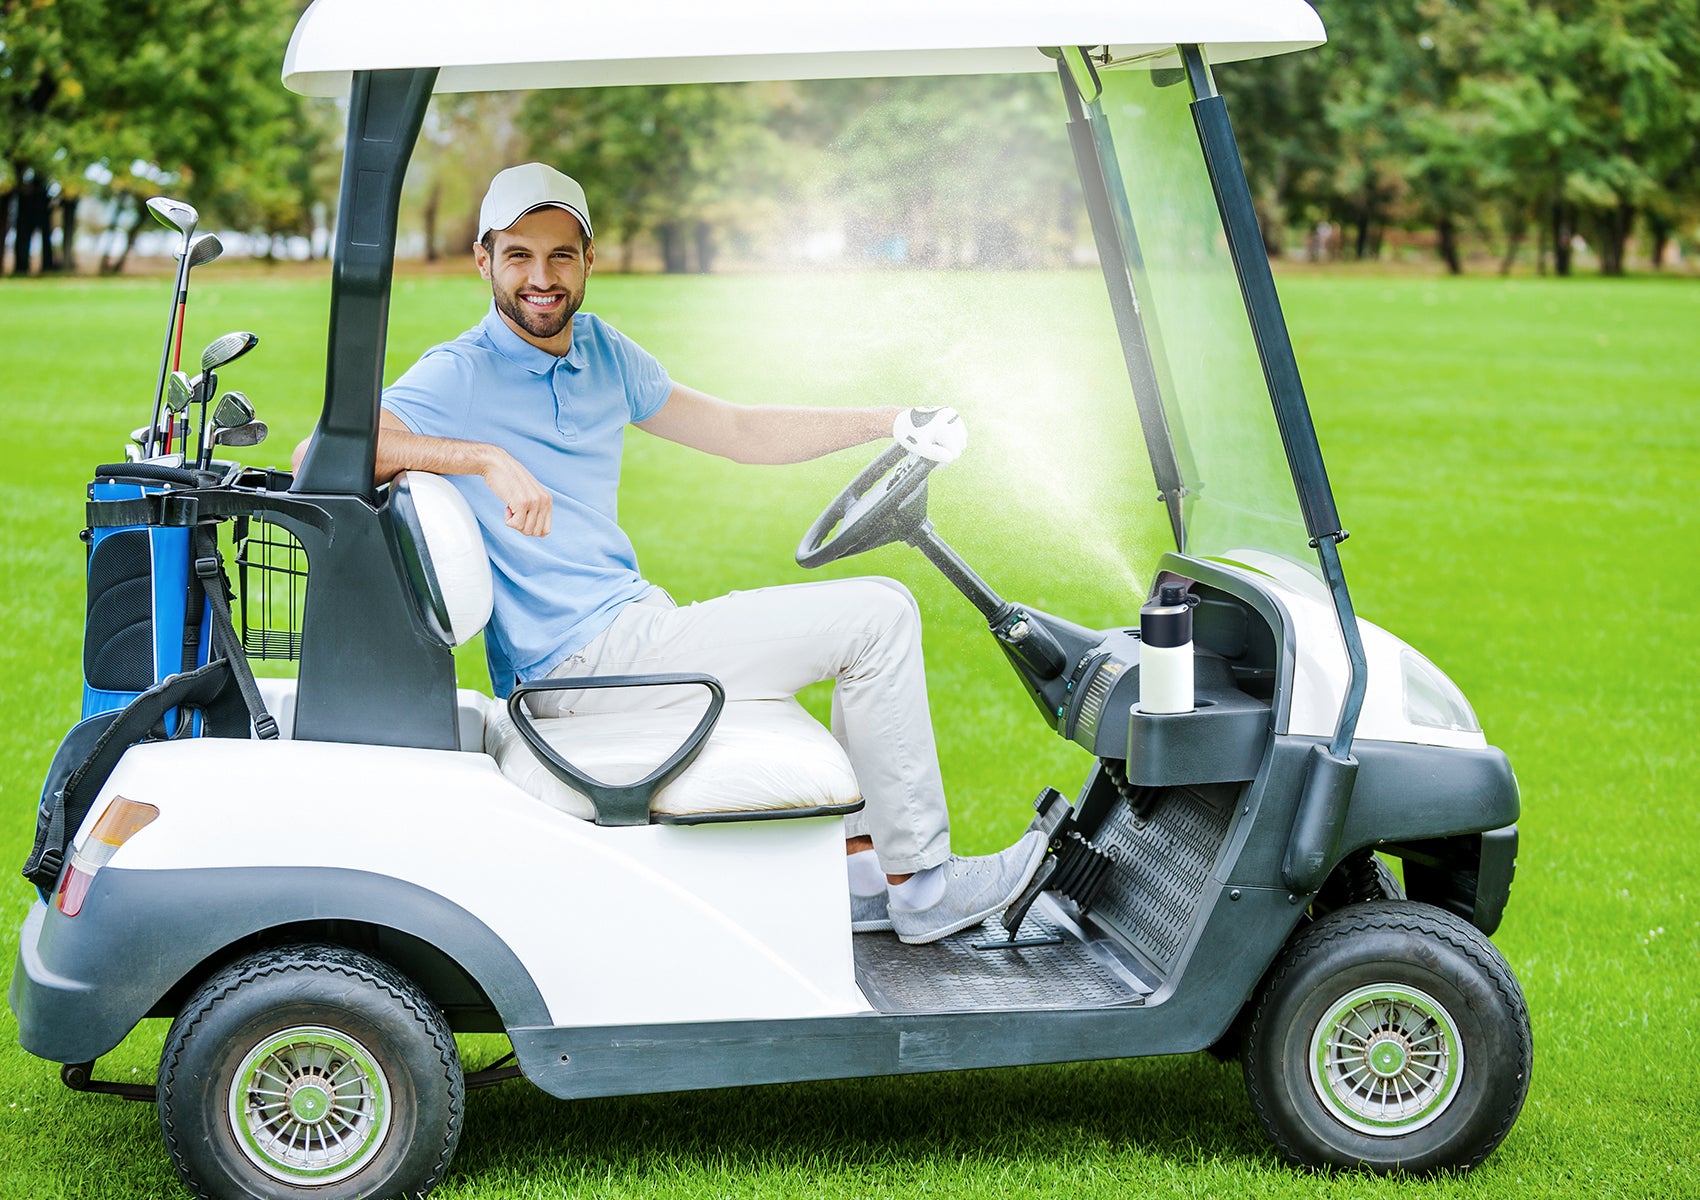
(869, 914)
(975, 888)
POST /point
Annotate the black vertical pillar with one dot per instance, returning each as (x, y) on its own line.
(386, 109)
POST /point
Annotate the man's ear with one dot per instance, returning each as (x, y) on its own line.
(589, 256)
(481, 256)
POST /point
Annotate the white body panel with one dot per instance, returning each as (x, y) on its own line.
(617, 926)
(525, 44)
(1320, 669)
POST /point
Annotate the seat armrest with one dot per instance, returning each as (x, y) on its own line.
(616, 804)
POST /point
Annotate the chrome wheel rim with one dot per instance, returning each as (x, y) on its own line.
(1386, 1059)
(310, 1104)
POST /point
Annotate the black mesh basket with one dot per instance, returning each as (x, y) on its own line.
(272, 587)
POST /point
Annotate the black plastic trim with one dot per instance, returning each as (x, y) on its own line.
(758, 814)
(416, 559)
(386, 109)
(80, 984)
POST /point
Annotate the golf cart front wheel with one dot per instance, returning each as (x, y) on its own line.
(1391, 1036)
(310, 1071)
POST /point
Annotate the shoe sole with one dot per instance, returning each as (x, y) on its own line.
(871, 926)
(934, 935)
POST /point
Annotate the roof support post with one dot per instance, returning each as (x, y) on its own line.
(1118, 254)
(386, 109)
(1330, 772)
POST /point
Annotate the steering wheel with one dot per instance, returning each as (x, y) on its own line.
(886, 502)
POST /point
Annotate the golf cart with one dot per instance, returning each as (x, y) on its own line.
(425, 861)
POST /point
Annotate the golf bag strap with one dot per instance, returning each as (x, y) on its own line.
(140, 719)
(157, 508)
(209, 568)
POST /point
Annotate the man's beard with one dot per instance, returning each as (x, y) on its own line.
(539, 325)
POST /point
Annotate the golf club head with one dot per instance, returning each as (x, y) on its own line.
(179, 390)
(174, 214)
(139, 436)
(204, 249)
(227, 349)
(249, 433)
(233, 409)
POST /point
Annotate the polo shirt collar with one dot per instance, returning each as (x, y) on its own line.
(521, 352)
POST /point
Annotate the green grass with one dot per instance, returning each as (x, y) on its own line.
(1519, 463)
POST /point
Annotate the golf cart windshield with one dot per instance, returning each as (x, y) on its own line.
(1238, 490)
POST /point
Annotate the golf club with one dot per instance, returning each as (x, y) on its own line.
(219, 352)
(249, 433)
(232, 411)
(178, 392)
(173, 214)
(202, 251)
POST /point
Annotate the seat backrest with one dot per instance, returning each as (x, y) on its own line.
(443, 551)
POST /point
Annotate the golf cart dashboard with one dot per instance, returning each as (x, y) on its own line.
(1234, 682)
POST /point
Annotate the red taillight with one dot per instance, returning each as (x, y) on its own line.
(121, 821)
(73, 887)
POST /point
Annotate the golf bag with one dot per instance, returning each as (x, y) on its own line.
(147, 614)
(161, 658)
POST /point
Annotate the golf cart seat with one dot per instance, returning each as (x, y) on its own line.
(742, 760)
(764, 758)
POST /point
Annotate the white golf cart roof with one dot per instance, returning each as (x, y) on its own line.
(481, 45)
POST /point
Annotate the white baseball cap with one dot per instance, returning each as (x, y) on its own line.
(525, 188)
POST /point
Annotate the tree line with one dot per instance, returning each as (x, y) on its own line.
(1517, 124)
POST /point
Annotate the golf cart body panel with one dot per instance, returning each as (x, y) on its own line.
(562, 894)
(667, 41)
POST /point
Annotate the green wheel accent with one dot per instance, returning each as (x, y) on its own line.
(309, 1105)
(1386, 1059)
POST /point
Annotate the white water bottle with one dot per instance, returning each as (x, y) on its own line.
(1165, 654)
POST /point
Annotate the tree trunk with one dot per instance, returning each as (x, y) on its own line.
(1658, 231)
(628, 248)
(1364, 219)
(703, 235)
(1516, 230)
(1449, 244)
(1274, 233)
(433, 204)
(5, 223)
(126, 238)
(1563, 231)
(68, 223)
(32, 201)
(1612, 227)
(674, 252)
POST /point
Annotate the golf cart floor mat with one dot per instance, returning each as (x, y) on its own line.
(950, 975)
(1163, 861)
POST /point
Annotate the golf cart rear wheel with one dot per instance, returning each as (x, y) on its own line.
(1390, 1035)
(310, 1071)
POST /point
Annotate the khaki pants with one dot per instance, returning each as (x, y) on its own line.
(770, 643)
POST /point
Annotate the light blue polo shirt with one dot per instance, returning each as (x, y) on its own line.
(564, 419)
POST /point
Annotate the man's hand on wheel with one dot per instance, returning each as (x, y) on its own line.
(934, 432)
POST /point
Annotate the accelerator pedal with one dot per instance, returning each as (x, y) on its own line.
(1074, 867)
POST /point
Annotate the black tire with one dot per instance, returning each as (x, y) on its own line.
(362, 1061)
(1356, 878)
(1428, 1052)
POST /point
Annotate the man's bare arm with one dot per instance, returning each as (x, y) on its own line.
(529, 508)
(747, 434)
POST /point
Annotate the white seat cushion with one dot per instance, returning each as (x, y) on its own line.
(762, 756)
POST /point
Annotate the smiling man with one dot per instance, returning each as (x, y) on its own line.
(526, 413)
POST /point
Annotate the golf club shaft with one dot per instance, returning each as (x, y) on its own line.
(182, 320)
(210, 382)
(178, 297)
